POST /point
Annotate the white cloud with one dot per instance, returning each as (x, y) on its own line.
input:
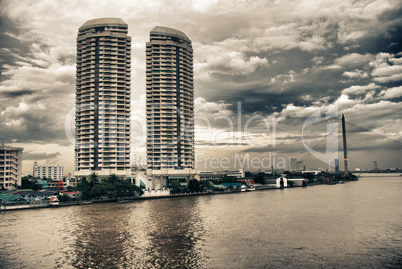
(355, 74)
(360, 89)
(353, 59)
(211, 109)
(386, 68)
(392, 93)
(221, 58)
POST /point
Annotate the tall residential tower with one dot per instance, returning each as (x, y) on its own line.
(170, 107)
(102, 119)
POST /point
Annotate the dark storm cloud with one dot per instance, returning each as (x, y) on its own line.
(40, 156)
(15, 94)
(11, 48)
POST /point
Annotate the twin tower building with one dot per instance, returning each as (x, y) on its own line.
(103, 97)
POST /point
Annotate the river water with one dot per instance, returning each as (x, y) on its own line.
(352, 225)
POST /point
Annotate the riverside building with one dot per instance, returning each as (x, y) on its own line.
(10, 167)
(54, 172)
(170, 107)
(102, 119)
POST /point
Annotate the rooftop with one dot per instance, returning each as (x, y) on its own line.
(103, 22)
(170, 32)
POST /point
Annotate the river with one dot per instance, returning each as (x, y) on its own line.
(352, 225)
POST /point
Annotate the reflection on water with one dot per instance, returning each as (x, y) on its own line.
(100, 233)
(353, 225)
(174, 232)
(149, 234)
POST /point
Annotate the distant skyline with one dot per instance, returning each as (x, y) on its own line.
(282, 60)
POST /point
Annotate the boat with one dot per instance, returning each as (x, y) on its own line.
(341, 182)
(54, 201)
(250, 188)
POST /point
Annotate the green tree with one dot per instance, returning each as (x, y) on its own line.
(98, 191)
(63, 198)
(248, 174)
(310, 177)
(111, 187)
(93, 180)
(26, 184)
(226, 179)
(259, 178)
(175, 185)
(112, 179)
(195, 186)
(116, 187)
(84, 188)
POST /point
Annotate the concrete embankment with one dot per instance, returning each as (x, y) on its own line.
(122, 200)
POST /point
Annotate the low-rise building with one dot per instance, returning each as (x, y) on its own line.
(55, 185)
(216, 175)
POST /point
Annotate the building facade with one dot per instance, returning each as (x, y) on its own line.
(103, 97)
(336, 166)
(292, 164)
(10, 167)
(53, 172)
(170, 107)
(300, 166)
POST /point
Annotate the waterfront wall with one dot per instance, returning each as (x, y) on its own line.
(25, 205)
(155, 193)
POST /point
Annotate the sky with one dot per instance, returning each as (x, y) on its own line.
(271, 78)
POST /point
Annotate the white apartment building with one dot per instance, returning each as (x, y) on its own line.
(54, 172)
(10, 167)
(170, 107)
(103, 97)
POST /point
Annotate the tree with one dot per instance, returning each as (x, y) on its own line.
(259, 178)
(97, 191)
(63, 198)
(175, 184)
(194, 186)
(84, 188)
(26, 184)
(310, 177)
(93, 180)
(227, 179)
(248, 174)
(112, 179)
(116, 187)
(111, 187)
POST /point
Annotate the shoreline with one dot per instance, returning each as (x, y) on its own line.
(131, 199)
(140, 198)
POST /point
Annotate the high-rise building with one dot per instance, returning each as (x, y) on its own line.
(292, 163)
(336, 161)
(10, 167)
(54, 172)
(300, 166)
(102, 119)
(170, 107)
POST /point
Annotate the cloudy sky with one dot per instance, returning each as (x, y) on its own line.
(271, 77)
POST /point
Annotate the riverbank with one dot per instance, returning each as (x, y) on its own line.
(46, 204)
